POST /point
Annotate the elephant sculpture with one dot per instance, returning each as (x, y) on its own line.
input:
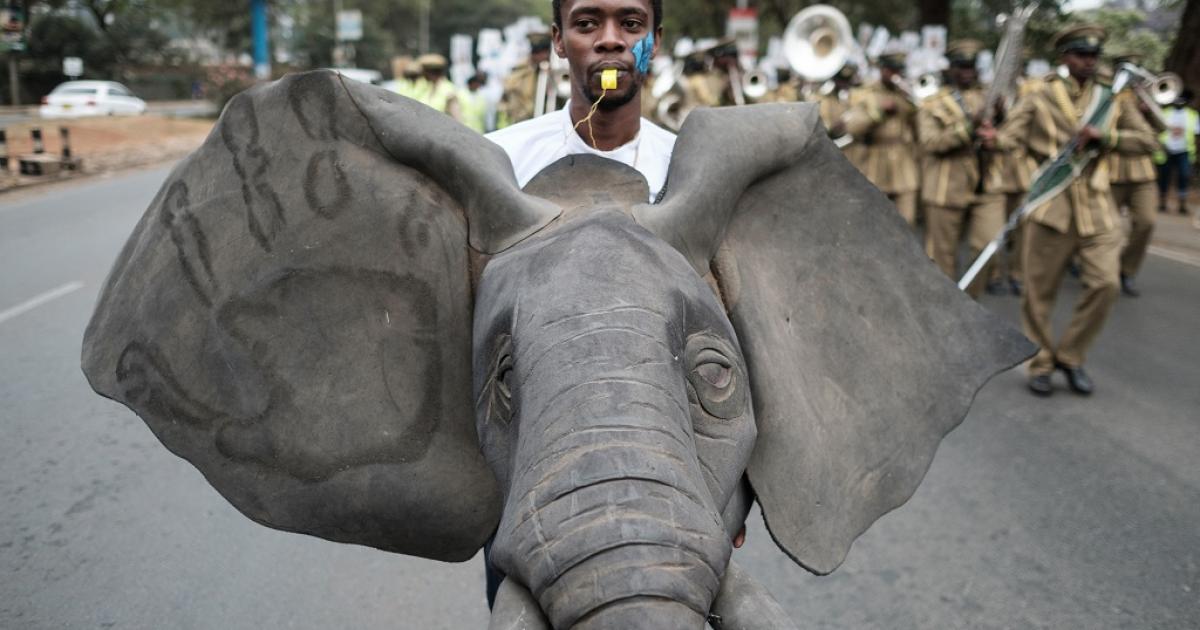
(343, 311)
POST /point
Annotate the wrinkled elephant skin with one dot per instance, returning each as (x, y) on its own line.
(346, 314)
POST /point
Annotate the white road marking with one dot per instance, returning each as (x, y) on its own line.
(1177, 256)
(30, 304)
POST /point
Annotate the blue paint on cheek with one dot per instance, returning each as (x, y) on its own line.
(642, 52)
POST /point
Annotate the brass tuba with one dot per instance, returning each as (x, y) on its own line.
(818, 42)
(1155, 91)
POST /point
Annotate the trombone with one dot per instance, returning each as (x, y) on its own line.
(553, 86)
(542, 102)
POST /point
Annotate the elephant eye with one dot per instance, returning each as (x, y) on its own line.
(500, 407)
(504, 376)
(715, 374)
(715, 381)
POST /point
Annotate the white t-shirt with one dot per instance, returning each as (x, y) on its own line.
(534, 144)
(1176, 119)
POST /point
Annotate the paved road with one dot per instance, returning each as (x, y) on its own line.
(1065, 513)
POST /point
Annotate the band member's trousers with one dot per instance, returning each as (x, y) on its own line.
(1047, 252)
(944, 227)
(906, 204)
(1140, 199)
(1008, 260)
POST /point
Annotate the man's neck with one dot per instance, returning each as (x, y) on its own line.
(1079, 83)
(610, 128)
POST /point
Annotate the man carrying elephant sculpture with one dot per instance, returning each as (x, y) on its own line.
(399, 346)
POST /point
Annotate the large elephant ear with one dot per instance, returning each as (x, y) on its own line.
(292, 315)
(862, 355)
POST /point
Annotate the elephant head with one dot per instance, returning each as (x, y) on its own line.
(418, 356)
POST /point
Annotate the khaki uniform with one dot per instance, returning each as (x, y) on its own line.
(1080, 221)
(709, 89)
(1133, 179)
(517, 103)
(951, 179)
(1011, 174)
(788, 92)
(887, 155)
(833, 107)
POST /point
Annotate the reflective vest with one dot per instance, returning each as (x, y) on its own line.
(473, 107)
(1191, 127)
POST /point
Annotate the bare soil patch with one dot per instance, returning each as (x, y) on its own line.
(107, 144)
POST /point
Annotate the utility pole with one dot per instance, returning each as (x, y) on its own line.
(14, 80)
(423, 42)
(12, 36)
(259, 33)
(336, 57)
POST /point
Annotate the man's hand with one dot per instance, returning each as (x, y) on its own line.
(838, 129)
(986, 134)
(1088, 135)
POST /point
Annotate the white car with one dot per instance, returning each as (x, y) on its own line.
(91, 98)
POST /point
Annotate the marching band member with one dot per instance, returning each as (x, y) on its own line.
(1081, 220)
(883, 121)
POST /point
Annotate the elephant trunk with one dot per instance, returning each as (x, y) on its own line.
(613, 527)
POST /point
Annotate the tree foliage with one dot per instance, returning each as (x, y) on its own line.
(114, 36)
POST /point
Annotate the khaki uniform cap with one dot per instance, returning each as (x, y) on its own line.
(539, 41)
(1080, 38)
(963, 50)
(432, 62)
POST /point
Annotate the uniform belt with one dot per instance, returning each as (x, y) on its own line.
(883, 143)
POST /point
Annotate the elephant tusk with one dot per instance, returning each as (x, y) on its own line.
(515, 609)
(745, 604)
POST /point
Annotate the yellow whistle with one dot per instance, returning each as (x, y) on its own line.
(608, 79)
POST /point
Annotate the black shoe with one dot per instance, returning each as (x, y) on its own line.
(1127, 286)
(1162, 209)
(995, 287)
(1078, 379)
(1040, 384)
(1014, 285)
(1073, 269)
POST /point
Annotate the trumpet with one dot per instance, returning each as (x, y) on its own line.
(1154, 90)
(755, 85)
(927, 85)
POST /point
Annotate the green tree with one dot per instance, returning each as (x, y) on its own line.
(1184, 57)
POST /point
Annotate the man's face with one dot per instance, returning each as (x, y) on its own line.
(1081, 65)
(600, 34)
(963, 74)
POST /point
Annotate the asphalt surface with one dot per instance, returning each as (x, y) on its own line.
(1058, 513)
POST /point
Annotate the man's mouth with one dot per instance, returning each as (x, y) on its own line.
(598, 69)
